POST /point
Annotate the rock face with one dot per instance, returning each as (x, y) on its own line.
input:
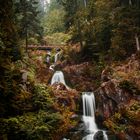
(117, 96)
(79, 76)
(110, 97)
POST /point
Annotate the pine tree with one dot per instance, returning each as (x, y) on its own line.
(8, 30)
(27, 16)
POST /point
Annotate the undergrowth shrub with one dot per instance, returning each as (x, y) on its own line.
(130, 87)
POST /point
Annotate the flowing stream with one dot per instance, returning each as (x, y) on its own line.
(52, 67)
(89, 116)
(56, 57)
(89, 106)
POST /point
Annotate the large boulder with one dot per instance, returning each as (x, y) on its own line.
(109, 98)
(99, 135)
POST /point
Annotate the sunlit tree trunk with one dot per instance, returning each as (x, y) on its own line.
(137, 42)
(85, 3)
(26, 40)
(78, 26)
(130, 2)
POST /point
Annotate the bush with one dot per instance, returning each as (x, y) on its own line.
(30, 126)
(42, 97)
(129, 86)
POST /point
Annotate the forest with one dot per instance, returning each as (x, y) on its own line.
(69, 69)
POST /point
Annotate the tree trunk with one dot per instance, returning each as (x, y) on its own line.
(26, 41)
(79, 32)
(85, 3)
(137, 42)
(78, 27)
(130, 2)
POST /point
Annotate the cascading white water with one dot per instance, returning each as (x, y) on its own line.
(52, 67)
(89, 116)
(56, 57)
(58, 77)
(105, 135)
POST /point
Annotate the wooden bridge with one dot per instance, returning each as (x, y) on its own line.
(43, 47)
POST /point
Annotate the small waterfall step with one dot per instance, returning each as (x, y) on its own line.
(89, 108)
(56, 57)
(58, 77)
(52, 67)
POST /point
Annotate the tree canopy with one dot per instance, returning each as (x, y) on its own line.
(104, 25)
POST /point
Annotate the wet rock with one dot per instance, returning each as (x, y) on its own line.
(59, 86)
(81, 127)
(87, 132)
(76, 133)
(123, 121)
(74, 116)
(98, 135)
(99, 119)
(58, 49)
(112, 136)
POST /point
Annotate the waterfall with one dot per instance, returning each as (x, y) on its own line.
(52, 67)
(137, 42)
(105, 135)
(89, 112)
(56, 57)
(89, 116)
(58, 77)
